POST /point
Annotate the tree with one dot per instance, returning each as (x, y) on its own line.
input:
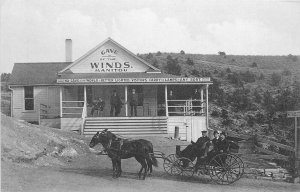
(173, 66)
(286, 72)
(216, 93)
(155, 63)
(189, 61)
(268, 101)
(254, 64)
(285, 101)
(235, 78)
(293, 58)
(239, 99)
(158, 53)
(149, 56)
(257, 96)
(228, 70)
(247, 76)
(5, 77)
(222, 53)
(195, 73)
(182, 52)
(275, 79)
(261, 76)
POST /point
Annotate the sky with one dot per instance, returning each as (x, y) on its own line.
(35, 30)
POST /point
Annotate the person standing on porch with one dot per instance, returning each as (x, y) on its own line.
(196, 102)
(115, 104)
(171, 103)
(133, 101)
(98, 106)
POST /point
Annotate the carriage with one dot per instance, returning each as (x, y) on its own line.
(223, 168)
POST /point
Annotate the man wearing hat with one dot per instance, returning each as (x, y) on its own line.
(133, 101)
(223, 144)
(203, 139)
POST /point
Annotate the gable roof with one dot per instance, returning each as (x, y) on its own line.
(100, 45)
(36, 73)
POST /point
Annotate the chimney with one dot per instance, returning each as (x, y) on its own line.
(68, 50)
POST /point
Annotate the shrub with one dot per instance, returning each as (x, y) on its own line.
(173, 66)
(275, 79)
(261, 77)
(195, 73)
(286, 72)
(254, 64)
(189, 61)
(155, 63)
(158, 53)
(215, 113)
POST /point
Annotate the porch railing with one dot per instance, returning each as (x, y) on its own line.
(72, 109)
(185, 107)
(83, 116)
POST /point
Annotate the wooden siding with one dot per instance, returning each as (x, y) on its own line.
(40, 96)
(190, 127)
(70, 124)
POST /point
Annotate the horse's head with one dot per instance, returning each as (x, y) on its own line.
(99, 138)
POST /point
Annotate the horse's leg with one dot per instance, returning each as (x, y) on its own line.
(149, 164)
(140, 161)
(114, 167)
(144, 164)
(119, 168)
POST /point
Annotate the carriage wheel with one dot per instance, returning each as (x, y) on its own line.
(169, 164)
(185, 166)
(226, 168)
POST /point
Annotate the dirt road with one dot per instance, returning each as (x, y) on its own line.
(90, 178)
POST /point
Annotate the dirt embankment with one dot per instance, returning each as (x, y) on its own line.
(22, 142)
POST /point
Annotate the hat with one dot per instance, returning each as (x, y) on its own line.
(203, 131)
(215, 131)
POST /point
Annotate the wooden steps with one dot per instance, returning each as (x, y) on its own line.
(127, 126)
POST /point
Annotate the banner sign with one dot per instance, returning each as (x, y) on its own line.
(135, 80)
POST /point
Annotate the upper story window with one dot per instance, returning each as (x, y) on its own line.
(28, 97)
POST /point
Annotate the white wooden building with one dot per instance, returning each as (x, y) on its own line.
(61, 94)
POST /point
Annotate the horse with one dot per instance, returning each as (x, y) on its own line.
(117, 149)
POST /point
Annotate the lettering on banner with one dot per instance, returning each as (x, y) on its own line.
(134, 80)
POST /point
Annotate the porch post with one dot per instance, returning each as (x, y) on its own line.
(126, 106)
(60, 101)
(206, 106)
(166, 99)
(84, 98)
(202, 99)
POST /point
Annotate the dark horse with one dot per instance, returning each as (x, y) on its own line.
(117, 149)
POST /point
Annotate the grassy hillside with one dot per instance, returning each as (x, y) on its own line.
(250, 93)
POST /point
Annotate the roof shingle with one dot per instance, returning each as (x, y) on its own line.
(36, 73)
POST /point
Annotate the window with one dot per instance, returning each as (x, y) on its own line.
(29, 101)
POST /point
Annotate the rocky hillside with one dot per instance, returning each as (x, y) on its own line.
(249, 94)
